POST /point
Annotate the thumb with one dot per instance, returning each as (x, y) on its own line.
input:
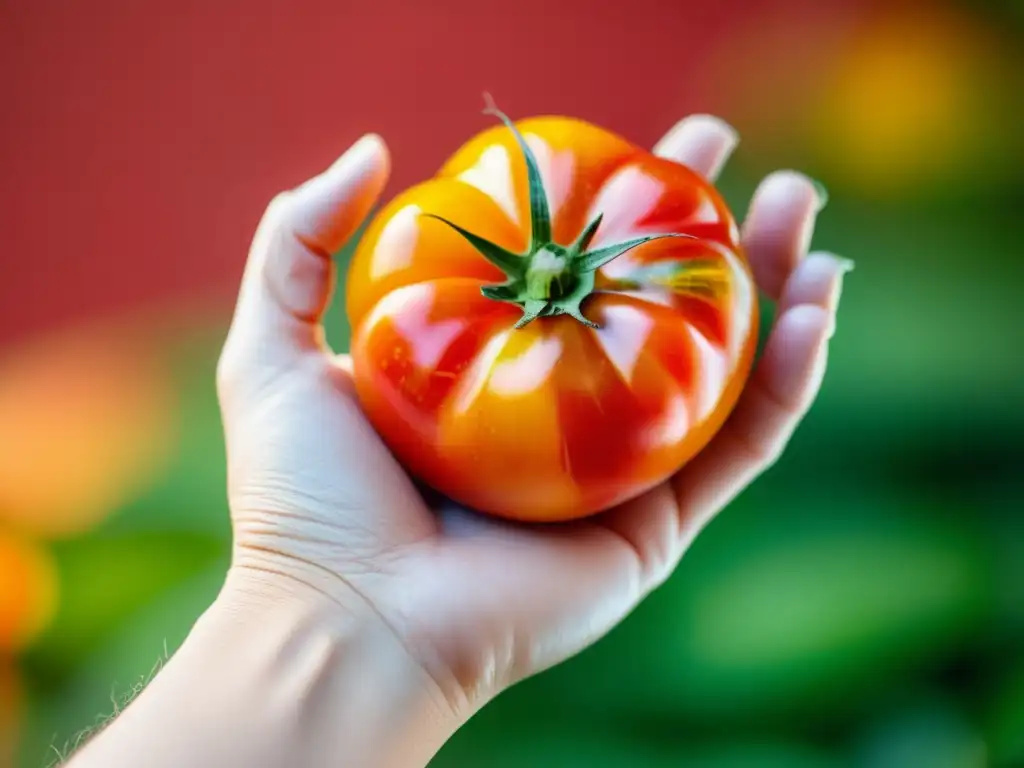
(289, 276)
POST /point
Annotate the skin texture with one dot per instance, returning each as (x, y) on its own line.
(554, 420)
(358, 617)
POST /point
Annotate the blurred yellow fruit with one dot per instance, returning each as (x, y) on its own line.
(914, 99)
(28, 592)
(87, 420)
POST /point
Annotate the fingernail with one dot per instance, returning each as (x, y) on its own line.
(822, 194)
(842, 267)
(837, 289)
(820, 200)
(806, 236)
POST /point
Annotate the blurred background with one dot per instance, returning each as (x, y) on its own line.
(861, 605)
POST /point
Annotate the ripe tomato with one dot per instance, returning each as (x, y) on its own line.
(554, 323)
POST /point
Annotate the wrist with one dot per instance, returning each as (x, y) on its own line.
(275, 673)
(261, 578)
(336, 668)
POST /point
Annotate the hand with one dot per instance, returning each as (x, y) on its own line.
(322, 510)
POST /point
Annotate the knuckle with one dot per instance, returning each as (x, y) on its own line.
(658, 573)
(229, 368)
(279, 208)
(765, 453)
(225, 373)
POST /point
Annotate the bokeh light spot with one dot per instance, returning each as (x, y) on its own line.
(87, 419)
(28, 592)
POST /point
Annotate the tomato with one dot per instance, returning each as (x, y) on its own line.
(554, 323)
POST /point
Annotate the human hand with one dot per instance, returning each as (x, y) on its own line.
(322, 511)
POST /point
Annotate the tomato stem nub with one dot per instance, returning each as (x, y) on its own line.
(550, 279)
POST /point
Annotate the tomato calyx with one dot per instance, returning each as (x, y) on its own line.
(550, 279)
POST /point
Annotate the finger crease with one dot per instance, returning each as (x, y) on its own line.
(309, 318)
(314, 247)
(773, 399)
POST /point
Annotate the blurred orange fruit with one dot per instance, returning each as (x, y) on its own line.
(914, 99)
(28, 592)
(87, 420)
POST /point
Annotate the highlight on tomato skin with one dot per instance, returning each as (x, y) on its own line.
(553, 324)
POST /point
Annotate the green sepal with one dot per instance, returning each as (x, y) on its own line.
(583, 241)
(502, 292)
(532, 309)
(537, 278)
(588, 262)
(512, 264)
(572, 304)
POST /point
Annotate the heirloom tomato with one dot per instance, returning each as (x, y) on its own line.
(554, 323)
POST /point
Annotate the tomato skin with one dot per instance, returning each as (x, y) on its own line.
(555, 420)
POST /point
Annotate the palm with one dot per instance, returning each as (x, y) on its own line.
(462, 583)
(479, 602)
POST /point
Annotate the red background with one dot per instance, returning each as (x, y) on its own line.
(140, 141)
